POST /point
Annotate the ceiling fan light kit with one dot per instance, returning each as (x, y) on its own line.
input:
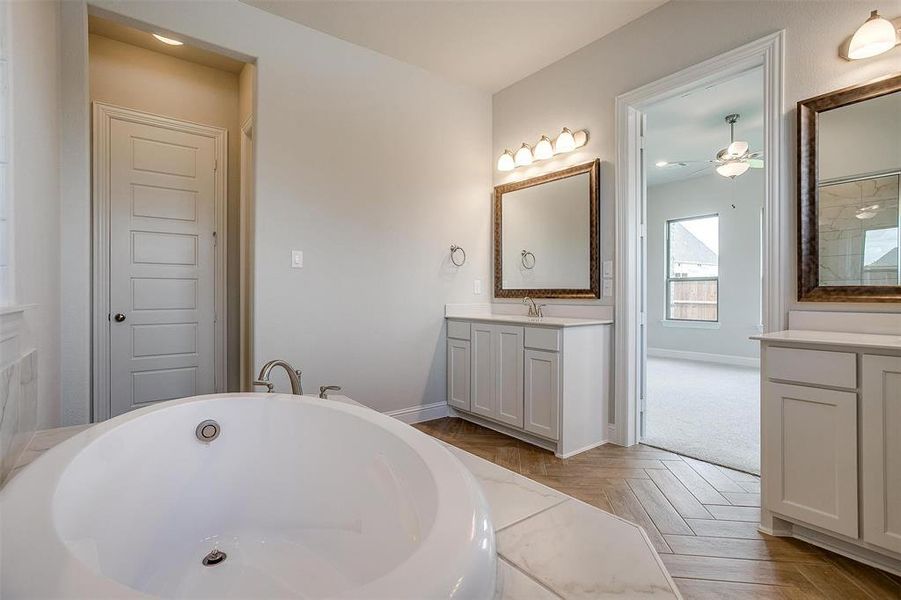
(731, 161)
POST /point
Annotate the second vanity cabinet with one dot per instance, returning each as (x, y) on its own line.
(544, 382)
(831, 443)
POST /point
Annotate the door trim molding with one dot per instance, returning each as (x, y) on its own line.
(768, 53)
(104, 114)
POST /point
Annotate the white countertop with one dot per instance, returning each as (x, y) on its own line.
(833, 338)
(533, 321)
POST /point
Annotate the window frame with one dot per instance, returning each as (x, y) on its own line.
(668, 276)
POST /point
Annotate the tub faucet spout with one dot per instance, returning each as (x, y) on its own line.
(294, 376)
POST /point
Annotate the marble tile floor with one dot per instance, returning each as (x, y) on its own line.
(701, 518)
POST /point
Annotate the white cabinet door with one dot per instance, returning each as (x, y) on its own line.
(508, 371)
(542, 393)
(482, 372)
(811, 455)
(881, 451)
(458, 385)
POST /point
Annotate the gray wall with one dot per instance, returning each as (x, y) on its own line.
(739, 285)
(35, 186)
(373, 168)
(579, 91)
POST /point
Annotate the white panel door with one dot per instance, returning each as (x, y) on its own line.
(811, 455)
(161, 265)
(881, 451)
(541, 396)
(482, 369)
(458, 383)
(509, 363)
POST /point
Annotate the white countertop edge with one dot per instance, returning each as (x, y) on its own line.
(833, 338)
(531, 321)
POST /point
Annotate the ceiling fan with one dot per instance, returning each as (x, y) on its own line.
(732, 161)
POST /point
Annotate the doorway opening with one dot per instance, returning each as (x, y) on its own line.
(671, 261)
(702, 274)
(172, 200)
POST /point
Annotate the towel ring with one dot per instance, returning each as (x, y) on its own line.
(453, 250)
(526, 260)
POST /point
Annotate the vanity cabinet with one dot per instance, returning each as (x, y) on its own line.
(881, 450)
(546, 382)
(831, 441)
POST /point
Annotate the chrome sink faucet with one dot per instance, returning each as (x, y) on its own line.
(534, 309)
(293, 375)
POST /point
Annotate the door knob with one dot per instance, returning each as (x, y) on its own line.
(119, 317)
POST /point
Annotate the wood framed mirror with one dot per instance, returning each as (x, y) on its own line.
(849, 186)
(546, 242)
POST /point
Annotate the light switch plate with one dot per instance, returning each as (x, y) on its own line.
(296, 259)
(477, 287)
(608, 287)
(608, 268)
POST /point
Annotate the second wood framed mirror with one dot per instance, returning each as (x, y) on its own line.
(849, 186)
(546, 242)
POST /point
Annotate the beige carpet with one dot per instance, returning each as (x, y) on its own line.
(705, 410)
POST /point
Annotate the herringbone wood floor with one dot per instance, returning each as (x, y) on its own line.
(701, 518)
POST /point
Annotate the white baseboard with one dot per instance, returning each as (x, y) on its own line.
(741, 361)
(418, 414)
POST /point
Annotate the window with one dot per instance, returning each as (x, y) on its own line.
(880, 256)
(692, 268)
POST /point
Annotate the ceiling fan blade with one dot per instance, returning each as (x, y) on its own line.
(701, 170)
(682, 163)
(758, 154)
(756, 163)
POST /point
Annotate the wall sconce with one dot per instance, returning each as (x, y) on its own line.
(567, 141)
(876, 36)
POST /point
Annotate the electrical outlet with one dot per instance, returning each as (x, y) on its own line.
(296, 259)
(608, 268)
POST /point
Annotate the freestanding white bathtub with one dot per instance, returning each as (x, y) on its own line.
(307, 498)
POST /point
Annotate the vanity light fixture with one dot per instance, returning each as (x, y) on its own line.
(506, 161)
(168, 40)
(523, 156)
(565, 142)
(875, 36)
(545, 149)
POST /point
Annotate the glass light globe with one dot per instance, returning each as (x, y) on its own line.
(737, 149)
(733, 169)
(875, 36)
(580, 137)
(523, 156)
(543, 149)
(565, 142)
(506, 162)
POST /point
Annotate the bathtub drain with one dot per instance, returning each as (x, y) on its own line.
(214, 558)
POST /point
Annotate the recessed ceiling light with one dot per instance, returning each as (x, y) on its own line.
(167, 40)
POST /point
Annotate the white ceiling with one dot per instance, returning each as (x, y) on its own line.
(693, 126)
(486, 44)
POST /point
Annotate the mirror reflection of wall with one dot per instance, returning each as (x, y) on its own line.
(859, 182)
(551, 224)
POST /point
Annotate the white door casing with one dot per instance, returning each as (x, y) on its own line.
(881, 451)
(766, 53)
(159, 252)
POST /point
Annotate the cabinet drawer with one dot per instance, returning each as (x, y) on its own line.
(542, 338)
(458, 330)
(819, 367)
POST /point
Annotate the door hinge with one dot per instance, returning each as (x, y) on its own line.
(215, 239)
(215, 164)
(643, 230)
